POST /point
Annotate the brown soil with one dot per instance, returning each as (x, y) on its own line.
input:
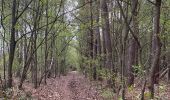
(74, 86)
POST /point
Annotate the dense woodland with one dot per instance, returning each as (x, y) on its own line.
(123, 45)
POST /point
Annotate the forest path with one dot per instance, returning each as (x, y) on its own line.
(73, 86)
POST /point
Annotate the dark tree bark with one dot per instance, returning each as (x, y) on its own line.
(96, 40)
(97, 28)
(133, 46)
(12, 44)
(103, 37)
(106, 34)
(156, 48)
(93, 48)
(46, 47)
(124, 52)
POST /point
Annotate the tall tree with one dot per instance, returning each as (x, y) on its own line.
(12, 43)
(156, 47)
(133, 46)
(106, 34)
(46, 45)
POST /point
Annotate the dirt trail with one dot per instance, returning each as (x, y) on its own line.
(71, 87)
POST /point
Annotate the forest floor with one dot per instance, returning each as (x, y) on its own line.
(73, 86)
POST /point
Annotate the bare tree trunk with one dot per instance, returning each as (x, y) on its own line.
(98, 36)
(3, 43)
(96, 40)
(103, 37)
(156, 48)
(124, 36)
(106, 34)
(46, 45)
(93, 49)
(12, 44)
(133, 46)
